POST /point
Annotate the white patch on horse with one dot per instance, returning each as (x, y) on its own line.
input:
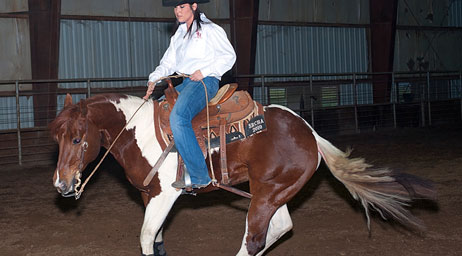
(159, 206)
(57, 179)
(279, 224)
(156, 212)
(315, 134)
(215, 150)
(143, 124)
(243, 251)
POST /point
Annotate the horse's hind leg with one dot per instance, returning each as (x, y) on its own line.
(271, 191)
(279, 224)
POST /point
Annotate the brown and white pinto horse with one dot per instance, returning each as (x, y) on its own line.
(277, 163)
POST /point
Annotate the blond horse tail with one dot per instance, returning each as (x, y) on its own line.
(380, 189)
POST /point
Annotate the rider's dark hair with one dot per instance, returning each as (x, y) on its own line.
(197, 19)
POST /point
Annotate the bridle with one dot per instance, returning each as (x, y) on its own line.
(84, 147)
(77, 176)
(78, 191)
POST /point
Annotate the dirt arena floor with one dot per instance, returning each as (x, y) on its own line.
(35, 220)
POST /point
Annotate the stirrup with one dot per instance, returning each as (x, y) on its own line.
(179, 184)
(185, 181)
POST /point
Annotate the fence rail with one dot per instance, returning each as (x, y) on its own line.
(332, 103)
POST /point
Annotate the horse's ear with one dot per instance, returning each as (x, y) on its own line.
(68, 100)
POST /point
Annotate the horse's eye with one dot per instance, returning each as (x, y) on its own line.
(76, 141)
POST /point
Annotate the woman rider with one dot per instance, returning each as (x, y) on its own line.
(200, 49)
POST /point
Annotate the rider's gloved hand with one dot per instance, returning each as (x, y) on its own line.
(149, 91)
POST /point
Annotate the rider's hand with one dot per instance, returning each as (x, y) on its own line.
(149, 91)
(196, 76)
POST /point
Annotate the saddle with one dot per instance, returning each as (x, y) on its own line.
(233, 116)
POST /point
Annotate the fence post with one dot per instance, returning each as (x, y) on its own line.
(18, 123)
(263, 92)
(88, 88)
(355, 99)
(422, 102)
(429, 100)
(311, 101)
(394, 98)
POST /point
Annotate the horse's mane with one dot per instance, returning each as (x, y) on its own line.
(73, 111)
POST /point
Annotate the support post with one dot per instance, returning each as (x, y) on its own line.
(460, 94)
(88, 88)
(264, 99)
(429, 100)
(18, 123)
(44, 18)
(422, 106)
(355, 98)
(394, 98)
(244, 20)
(383, 15)
(311, 101)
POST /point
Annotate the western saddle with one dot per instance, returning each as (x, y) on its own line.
(233, 116)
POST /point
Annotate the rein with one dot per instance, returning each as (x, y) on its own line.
(78, 192)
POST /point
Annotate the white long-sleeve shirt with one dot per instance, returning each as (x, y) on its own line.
(207, 50)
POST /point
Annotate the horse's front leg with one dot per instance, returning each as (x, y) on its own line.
(156, 212)
(159, 249)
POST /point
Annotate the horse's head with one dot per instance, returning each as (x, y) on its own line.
(79, 144)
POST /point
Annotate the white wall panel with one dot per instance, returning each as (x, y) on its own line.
(421, 50)
(302, 50)
(13, 5)
(98, 49)
(438, 13)
(321, 11)
(14, 49)
(455, 13)
(8, 119)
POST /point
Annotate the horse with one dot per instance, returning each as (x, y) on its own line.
(277, 163)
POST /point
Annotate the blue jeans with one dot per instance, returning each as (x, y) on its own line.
(190, 102)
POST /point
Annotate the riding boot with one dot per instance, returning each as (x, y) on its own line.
(185, 182)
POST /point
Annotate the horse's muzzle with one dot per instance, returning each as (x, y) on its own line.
(65, 190)
(68, 194)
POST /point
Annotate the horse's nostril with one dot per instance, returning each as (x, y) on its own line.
(62, 186)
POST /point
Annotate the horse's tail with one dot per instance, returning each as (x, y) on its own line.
(387, 192)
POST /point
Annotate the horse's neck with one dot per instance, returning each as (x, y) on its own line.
(138, 135)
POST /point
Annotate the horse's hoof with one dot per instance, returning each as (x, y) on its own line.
(159, 249)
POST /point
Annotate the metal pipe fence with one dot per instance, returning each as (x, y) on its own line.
(332, 103)
(346, 103)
